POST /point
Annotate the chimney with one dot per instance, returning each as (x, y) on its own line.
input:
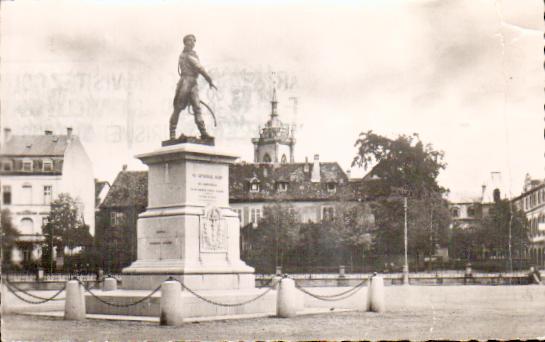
(69, 132)
(46, 132)
(483, 191)
(305, 166)
(7, 134)
(348, 174)
(315, 176)
(124, 167)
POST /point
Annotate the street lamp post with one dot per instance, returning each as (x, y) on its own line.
(406, 265)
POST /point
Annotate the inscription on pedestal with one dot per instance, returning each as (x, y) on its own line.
(208, 185)
(213, 232)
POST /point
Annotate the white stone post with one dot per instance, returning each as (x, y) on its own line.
(171, 308)
(375, 296)
(110, 284)
(286, 299)
(74, 305)
(4, 298)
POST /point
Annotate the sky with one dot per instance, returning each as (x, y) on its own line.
(465, 75)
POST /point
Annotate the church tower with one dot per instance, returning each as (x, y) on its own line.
(276, 140)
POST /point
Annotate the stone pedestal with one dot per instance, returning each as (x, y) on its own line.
(188, 231)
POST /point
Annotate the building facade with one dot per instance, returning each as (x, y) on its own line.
(532, 203)
(35, 169)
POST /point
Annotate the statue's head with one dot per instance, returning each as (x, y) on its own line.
(189, 41)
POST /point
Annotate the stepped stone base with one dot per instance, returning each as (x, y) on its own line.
(192, 306)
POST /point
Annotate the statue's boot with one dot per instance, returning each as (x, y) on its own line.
(172, 132)
(202, 130)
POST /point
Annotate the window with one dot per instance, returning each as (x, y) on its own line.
(255, 215)
(455, 212)
(267, 158)
(27, 226)
(27, 194)
(284, 160)
(48, 165)
(254, 187)
(331, 187)
(328, 213)
(7, 165)
(282, 186)
(48, 192)
(6, 194)
(470, 212)
(117, 218)
(27, 165)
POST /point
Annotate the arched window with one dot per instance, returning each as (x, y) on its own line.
(27, 226)
(267, 158)
(284, 160)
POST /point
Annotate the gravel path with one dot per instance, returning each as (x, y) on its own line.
(414, 313)
(418, 324)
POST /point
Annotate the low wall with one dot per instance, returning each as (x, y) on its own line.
(446, 278)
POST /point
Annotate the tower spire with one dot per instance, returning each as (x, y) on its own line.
(274, 100)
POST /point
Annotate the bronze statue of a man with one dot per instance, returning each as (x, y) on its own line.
(187, 91)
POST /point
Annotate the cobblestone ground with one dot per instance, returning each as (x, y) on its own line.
(416, 324)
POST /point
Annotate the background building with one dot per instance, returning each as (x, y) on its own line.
(35, 169)
(117, 216)
(532, 203)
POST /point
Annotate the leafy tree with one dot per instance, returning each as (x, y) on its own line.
(465, 243)
(65, 226)
(404, 164)
(505, 226)
(274, 239)
(404, 167)
(8, 235)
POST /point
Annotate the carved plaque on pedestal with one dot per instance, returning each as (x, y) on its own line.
(212, 232)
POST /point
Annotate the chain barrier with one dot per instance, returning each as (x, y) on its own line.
(271, 287)
(115, 304)
(334, 297)
(43, 300)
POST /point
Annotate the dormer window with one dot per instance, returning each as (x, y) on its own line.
(282, 186)
(7, 165)
(254, 187)
(27, 165)
(331, 187)
(48, 165)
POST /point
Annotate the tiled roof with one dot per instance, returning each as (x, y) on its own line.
(297, 177)
(130, 188)
(36, 145)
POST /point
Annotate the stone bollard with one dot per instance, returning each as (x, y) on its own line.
(286, 299)
(375, 296)
(74, 305)
(39, 274)
(4, 299)
(276, 282)
(110, 284)
(341, 271)
(171, 310)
